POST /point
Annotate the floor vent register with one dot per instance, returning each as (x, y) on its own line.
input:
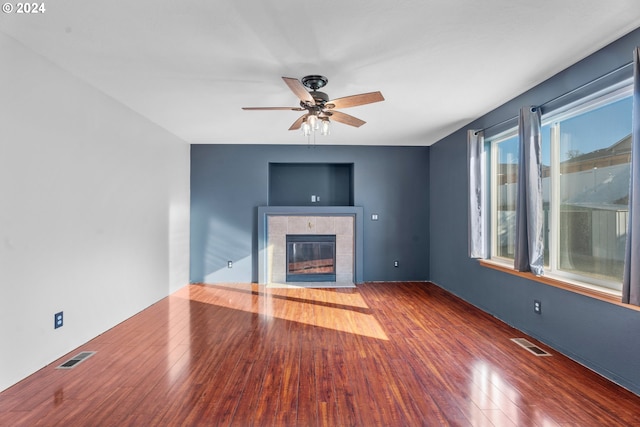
(530, 347)
(75, 360)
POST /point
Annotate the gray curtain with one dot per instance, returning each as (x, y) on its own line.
(631, 278)
(529, 245)
(477, 209)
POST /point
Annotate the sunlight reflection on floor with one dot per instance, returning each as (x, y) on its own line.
(496, 402)
(178, 333)
(343, 311)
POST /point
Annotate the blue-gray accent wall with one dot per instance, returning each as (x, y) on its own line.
(229, 182)
(603, 336)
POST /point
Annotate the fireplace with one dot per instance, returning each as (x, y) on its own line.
(276, 222)
(311, 258)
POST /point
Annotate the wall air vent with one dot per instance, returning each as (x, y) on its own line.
(80, 357)
(532, 348)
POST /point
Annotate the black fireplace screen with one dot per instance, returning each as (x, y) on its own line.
(311, 258)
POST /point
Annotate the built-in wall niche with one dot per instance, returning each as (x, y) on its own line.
(310, 184)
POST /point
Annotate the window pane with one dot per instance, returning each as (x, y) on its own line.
(506, 186)
(595, 150)
(545, 148)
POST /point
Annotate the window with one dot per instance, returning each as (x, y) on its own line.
(586, 154)
(504, 167)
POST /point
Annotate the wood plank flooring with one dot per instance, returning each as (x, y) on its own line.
(394, 354)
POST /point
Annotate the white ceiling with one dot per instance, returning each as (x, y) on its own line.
(190, 65)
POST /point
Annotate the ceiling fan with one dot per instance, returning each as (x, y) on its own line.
(319, 109)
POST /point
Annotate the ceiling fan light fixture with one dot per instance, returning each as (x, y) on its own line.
(306, 128)
(324, 127)
(312, 120)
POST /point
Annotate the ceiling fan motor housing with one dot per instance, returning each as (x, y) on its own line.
(320, 97)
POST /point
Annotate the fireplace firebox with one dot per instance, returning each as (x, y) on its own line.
(311, 258)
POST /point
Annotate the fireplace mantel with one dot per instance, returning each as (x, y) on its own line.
(264, 212)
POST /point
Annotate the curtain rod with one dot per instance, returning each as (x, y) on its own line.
(604, 76)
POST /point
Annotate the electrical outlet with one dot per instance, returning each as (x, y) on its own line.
(229, 264)
(537, 307)
(396, 264)
(58, 320)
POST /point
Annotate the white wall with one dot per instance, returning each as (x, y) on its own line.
(94, 212)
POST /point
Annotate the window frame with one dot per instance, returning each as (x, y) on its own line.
(584, 105)
(602, 289)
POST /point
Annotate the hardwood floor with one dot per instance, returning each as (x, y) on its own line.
(400, 354)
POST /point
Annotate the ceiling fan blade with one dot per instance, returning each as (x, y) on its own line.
(355, 100)
(274, 108)
(346, 119)
(299, 90)
(298, 123)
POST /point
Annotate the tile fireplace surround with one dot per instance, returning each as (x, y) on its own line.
(275, 222)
